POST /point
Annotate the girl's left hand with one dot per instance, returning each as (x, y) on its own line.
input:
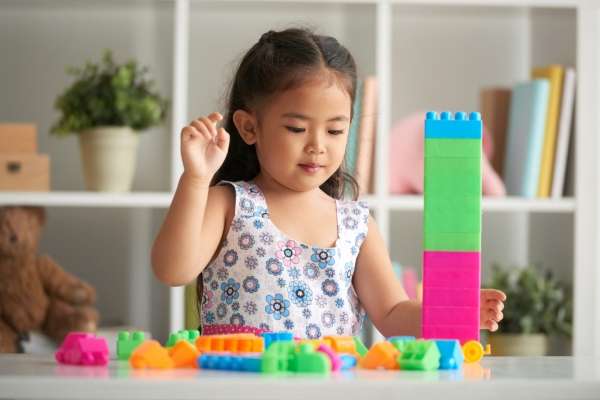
(491, 306)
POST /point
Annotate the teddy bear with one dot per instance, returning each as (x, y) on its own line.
(36, 294)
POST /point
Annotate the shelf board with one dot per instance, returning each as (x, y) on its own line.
(87, 199)
(489, 204)
(495, 3)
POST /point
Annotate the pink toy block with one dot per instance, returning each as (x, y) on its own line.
(80, 348)
(459, 297)
(445, 259)
(451, 315)
(336, 361)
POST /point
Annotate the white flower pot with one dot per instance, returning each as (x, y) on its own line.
(512, 344)
(108, 156)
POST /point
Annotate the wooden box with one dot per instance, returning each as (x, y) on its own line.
(24, 172)
(18, 138)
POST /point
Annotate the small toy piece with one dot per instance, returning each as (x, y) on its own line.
(422, 355)
(400, 342)
(473, 351)
(248, 363)
(341, 344)
(151, 354)
(381, 355)
(336, 362)
(190, 335)
(277, 357)
(184, 355)
(451, 355)
(81, 348)
(307, 360)
(348, 361)
(359, 346)
(235, 343)
(128, 342)
(271, 337)
(286, 356)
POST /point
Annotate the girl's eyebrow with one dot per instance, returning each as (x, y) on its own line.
(304, 117)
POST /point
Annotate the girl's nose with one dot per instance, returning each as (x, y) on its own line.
(315, 145)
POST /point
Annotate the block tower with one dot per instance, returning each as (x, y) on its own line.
(452, 226)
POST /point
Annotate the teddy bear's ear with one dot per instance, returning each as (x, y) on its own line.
(39, 213)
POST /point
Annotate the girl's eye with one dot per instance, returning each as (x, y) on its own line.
(336, 131)
(294, 129)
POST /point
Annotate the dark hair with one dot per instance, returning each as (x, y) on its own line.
(281, 61)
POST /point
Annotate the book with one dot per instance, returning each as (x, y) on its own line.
(526, 127)
(554, 74)
(494, 104)
(366, 134)
(565, 125)
(192, 319)
(351, 146)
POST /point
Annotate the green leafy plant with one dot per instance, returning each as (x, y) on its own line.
(536, 301)
(109, 94)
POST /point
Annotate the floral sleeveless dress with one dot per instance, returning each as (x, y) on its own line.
(262, 280)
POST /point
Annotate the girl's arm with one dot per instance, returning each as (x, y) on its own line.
(194, 225)
(380, 291)
(385, 300)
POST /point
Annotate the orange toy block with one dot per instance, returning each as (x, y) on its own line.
(151, 354)
(341, 344)
(235, 343)
(381, 355)
(184, 355)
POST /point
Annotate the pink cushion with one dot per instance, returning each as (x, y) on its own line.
(406, 159)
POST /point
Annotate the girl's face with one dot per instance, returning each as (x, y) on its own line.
(302, 133)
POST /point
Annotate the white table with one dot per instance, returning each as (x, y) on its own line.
(505, 378)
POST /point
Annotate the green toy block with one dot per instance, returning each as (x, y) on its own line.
(128, 342)
(420, 355)
(452, 242)
(452, 148)
(360, 346)
(461, 219)
(452, 167)
(186, 334)
(400, 343)
(448, 186)
(307, 360)
(277, 358)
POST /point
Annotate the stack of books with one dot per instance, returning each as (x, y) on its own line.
(531, 125)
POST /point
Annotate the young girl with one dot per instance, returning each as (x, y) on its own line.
(263, 219)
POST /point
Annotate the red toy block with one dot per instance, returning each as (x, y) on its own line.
(80, 348)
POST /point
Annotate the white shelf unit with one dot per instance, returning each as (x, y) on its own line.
(583, 207)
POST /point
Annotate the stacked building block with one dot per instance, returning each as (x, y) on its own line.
(452, 226)
(22, 168)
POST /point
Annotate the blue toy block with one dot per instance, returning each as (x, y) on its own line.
(457, 126)
(451, 355)
(229, 362)
(271, 337)
(348, 361)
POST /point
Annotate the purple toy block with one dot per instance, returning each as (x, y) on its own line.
(80, 348)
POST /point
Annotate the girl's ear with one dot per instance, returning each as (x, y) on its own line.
(245, 123)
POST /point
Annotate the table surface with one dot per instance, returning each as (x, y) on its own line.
(26, 376)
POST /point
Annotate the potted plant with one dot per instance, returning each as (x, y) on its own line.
(538, 309)
(107, 106)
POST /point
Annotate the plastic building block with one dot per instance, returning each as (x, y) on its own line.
(359, 346)
(127, 342)
(307, 360)
(473, 351)
(248, 363)
(459, 127)
(184, 354)
(381, 355)
(422, 355)
(235, 343)
(286, 356)
(271, 337)
(451, 355)
(190, 335)
(348, 361)
(341, 344)
(80, 348)
(400, 342)
(336, 362)
(151, 354)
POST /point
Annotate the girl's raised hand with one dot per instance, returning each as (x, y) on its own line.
(204, 147)
(491, 306)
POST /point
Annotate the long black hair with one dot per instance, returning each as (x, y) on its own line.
(279, 61)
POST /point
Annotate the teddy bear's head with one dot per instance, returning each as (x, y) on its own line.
(20, 229)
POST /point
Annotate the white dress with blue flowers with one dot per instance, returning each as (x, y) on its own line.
(262, 280)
